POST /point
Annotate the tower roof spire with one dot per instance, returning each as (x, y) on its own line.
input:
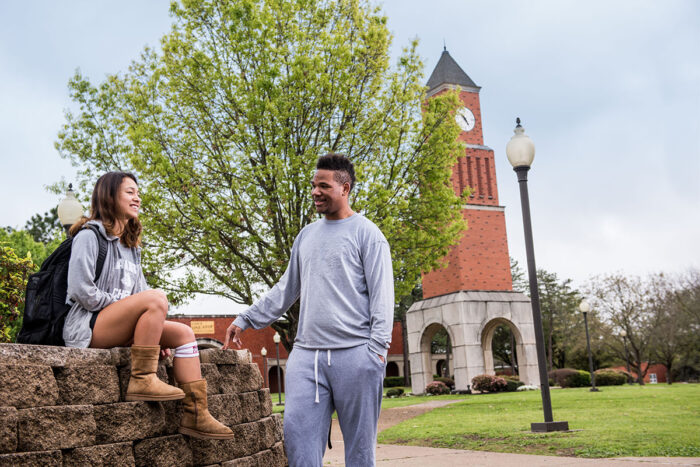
(447, 71)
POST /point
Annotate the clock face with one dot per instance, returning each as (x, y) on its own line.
(465, 118)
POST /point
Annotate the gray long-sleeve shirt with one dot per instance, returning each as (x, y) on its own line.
(342, 271)
(121, 276)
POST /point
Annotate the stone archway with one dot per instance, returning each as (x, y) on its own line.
(208, 343)
(470, 318)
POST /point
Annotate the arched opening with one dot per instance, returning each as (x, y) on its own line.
(392, 369)
(505, 358)
(436, 347)
(502, 345)
(208, 343)
(272, 378)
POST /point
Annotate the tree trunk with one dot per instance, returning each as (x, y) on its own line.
(447, 358)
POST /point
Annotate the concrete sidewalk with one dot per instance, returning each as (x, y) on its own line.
(391, 455)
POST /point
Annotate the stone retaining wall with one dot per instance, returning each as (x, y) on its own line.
(65, 407)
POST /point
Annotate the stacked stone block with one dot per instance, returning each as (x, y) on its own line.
(65, 407)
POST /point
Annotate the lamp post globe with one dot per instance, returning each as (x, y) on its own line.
(520, 149)
(585, 307)
(276, 339)
(521, 152)
(69, 209)
(263, 352)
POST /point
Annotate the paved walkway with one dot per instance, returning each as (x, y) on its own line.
(392, 455)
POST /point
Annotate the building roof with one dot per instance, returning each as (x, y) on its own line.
(447, 71)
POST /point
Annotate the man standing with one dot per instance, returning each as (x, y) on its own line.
(340, 269)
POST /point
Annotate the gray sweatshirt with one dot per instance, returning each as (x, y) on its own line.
(121, 276)
(342, 272)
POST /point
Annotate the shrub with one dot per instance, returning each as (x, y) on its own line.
(14, 271)
(393, 381)
(570, 378)
(489, 383)
(437, 388)
(394, 392)
(513, 384)
(610, 377)
(449, 382)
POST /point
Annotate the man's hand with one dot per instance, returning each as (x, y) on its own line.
(381, 357)
(233, 334)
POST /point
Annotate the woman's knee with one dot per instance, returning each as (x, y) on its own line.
(157, 300)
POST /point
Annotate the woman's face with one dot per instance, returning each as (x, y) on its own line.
(128, 200)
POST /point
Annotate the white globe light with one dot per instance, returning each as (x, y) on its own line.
(69, 209)
(584, 306)
(276, 338)
(520, 149)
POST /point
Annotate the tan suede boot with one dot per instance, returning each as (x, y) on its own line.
(196, 419)
(144, 385)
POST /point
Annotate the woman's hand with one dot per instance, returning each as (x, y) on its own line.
(164, 353)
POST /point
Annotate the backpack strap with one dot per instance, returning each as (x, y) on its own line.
(102, 252)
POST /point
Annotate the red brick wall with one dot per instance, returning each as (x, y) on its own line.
(657, 368)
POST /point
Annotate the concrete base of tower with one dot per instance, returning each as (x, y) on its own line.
(470, 319)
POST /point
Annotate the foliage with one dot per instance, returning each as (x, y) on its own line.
(570, 378)
(489, 383)
(659, 314)
(393, 381)
(44, 228)
(394, 392)
(437, 388)
(449, 382)
(512, 384)
(14, 271)
(503, 344)
(604, 424)
(610, 377)
(224, 124)
(24, 245)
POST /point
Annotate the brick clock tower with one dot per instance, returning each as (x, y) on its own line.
(473, 295)
(480, 261)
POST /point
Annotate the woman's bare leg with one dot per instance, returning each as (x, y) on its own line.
(138, 318)
(185, 369)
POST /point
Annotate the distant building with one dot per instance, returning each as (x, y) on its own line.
(655, 374)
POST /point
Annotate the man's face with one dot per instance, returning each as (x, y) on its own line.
(328, 194)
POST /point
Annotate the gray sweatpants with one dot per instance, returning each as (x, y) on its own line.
(320, 381)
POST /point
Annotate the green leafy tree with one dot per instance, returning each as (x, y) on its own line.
(20, 256)
(14, 271)
(223, 126)
(44, 228)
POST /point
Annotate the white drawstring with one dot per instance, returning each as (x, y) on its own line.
(316, 375)
(329, 357)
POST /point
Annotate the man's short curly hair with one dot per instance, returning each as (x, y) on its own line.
(343, 170)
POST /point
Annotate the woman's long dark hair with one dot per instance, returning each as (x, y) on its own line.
(104, 208)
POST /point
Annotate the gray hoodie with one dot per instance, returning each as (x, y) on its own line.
(341, 270)
(121, 277)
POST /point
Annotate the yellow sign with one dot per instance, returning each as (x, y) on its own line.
(202, 327)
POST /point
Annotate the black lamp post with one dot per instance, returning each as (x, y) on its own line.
(69, 209)
(585, 308)
(521, 152)
(277, 340)
(263, 352)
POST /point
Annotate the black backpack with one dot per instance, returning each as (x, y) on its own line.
(45, 307)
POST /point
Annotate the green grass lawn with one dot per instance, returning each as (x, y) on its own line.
(651, 420)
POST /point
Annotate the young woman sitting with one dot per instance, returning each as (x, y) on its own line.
(120, 310)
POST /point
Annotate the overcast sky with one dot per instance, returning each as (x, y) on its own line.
(609, 91)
